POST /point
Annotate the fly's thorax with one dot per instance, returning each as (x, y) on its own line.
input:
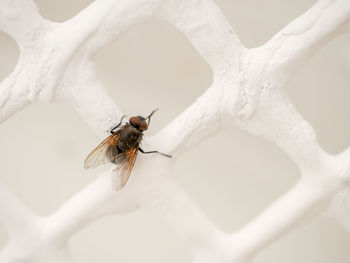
(129, 137)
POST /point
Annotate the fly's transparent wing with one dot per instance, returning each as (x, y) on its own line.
(125, 162)
(103, 153)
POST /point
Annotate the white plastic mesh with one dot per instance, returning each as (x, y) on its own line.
(248, 90)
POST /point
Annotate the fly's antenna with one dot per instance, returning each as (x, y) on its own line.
(149, 116)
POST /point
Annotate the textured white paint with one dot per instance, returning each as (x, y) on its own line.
(248, 89)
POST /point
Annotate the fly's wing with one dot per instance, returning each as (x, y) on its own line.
(125, 163)
(102, 153)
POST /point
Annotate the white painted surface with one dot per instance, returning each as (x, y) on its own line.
(248, 89)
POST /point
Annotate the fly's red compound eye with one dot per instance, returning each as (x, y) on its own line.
(135, 121)
(143, 126)
(139, 123)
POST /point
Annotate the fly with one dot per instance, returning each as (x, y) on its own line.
(121, 148)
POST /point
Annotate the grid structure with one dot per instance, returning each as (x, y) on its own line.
(55, 63)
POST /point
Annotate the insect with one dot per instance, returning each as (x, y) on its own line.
(121, 148)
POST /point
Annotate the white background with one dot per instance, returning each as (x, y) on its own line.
(232, 176)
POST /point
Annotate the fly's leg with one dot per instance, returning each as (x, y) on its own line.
(166, 155)
(113, 129)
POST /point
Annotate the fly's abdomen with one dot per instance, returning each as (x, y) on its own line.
(123, 146)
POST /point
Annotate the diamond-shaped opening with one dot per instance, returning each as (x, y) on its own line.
(233, 176)
(9, 53)
(42, 153)
(310, 244)
(256, 22)
(62, 10)
(320, 91)
(132, 238)
(153, 66)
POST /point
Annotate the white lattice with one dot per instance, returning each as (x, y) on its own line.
(248, 89)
